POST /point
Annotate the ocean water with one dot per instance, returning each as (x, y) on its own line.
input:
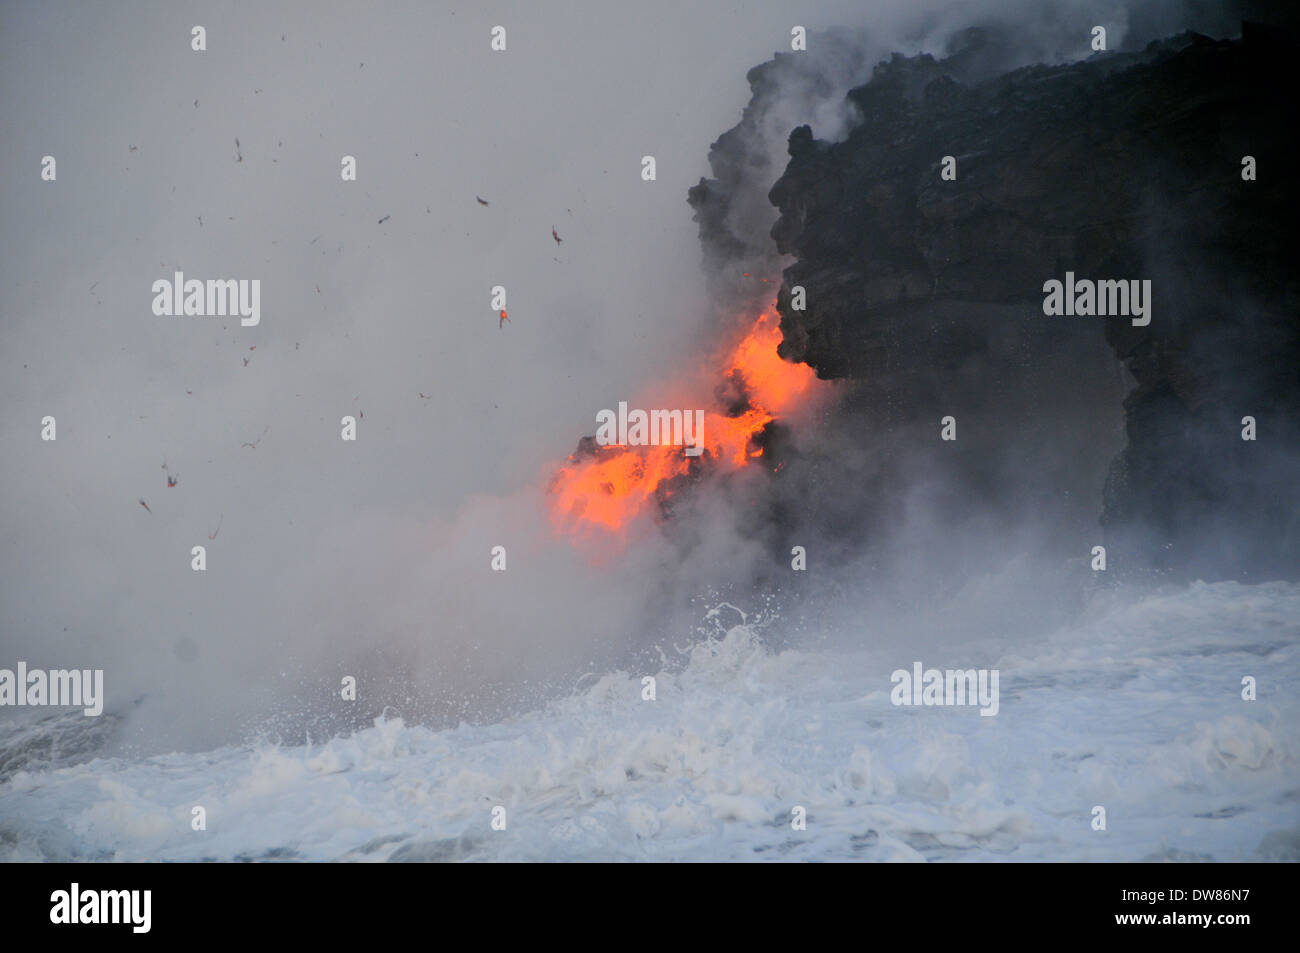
(1136, 707)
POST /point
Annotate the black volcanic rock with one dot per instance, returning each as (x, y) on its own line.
(1122, 166)
(730, 207)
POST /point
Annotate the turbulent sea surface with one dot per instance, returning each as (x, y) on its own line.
(1137, 708)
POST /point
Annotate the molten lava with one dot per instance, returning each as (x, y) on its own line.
(608, 486)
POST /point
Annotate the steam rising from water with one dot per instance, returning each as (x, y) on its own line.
(373, 560)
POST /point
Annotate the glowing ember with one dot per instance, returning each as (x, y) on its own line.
(608, 486)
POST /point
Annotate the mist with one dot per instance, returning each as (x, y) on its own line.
(373, 558)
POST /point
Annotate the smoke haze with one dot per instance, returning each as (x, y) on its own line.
(372, 558)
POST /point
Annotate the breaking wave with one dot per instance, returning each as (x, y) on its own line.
(1137, 707)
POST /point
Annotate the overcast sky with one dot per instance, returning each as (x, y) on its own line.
(550, 132)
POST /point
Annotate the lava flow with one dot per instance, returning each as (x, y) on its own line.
(607, 486)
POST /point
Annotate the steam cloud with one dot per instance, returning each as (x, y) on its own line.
(372, 559)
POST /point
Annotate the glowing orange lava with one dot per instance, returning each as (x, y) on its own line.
(609, 486)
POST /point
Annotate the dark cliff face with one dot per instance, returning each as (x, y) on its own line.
(1102, 167)
(928, 294)
(731, 207)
